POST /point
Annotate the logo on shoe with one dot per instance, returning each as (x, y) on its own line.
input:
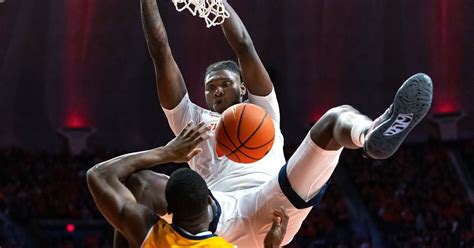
(400, 124)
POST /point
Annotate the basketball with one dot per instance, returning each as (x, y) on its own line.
(245, 133)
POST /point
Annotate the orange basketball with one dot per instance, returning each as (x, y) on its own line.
(245, 133)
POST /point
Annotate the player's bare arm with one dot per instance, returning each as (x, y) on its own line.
(148, 188)
(169, 80)
(116, 202)
(119, 240)
(254, 74)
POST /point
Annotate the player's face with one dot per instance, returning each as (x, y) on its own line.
(223, 88)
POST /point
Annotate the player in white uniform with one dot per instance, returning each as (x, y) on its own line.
(223, 174)
(246, 193)
(224, 86)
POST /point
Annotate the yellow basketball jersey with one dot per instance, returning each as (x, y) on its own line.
(163, 235)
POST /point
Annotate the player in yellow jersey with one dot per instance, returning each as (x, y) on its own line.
(186, 195)
(188, 199)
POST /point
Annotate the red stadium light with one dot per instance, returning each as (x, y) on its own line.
(70, 228)
(446, 107)
(75, 121)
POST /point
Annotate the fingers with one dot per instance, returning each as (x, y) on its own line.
(187, 129)
(199, 133)
(280, 217)
(276, 221)
(204, 136)
(284, 217)
(194, 152)
(195, 133)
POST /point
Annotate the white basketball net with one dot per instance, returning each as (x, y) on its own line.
(213, 11)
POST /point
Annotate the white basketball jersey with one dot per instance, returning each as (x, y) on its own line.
(222, 174)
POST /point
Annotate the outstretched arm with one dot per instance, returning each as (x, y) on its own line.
(169, 80)
(254, 74)
(116, 202)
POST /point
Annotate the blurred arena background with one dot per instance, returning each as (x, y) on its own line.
(77, 87)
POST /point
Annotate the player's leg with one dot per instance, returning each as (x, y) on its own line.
(313, 163)
(346, 127)
(337, 127)
(302, 182)
(411, 103)
(258, 207)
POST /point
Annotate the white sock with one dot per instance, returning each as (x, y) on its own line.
(360, 124)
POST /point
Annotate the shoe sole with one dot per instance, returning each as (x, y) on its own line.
(413, 99)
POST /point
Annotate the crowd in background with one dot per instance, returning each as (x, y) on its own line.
(415, 199)
(416, 196)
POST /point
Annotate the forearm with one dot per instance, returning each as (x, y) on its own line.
(254, 74)
(123, 166)
(155, 32)
(235, 31)
(169, 80)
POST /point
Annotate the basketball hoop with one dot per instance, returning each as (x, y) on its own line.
(212, 11)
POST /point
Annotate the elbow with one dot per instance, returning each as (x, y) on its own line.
(90, 175)
(93, 175)
(90, 172)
